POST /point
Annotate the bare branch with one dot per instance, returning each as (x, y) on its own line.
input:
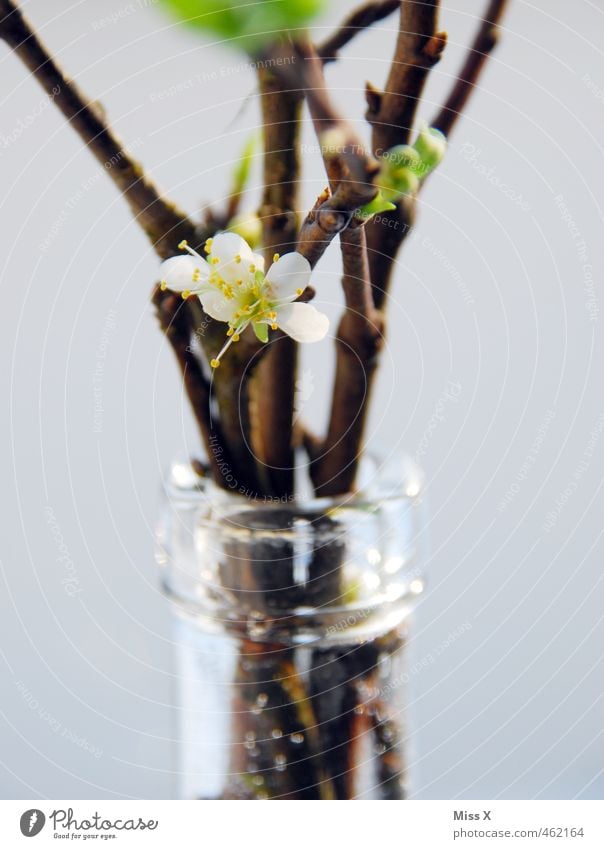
(174, 321)
(358, 20)
(392, 112)
(419, 47)
(358, 342)
(484, 42)
(163, 222)
(273, 383)
(349, 166)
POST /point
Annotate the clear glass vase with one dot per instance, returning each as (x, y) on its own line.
(290, 623)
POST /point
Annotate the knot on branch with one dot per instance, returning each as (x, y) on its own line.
(332, 221)
(433, 48)
(373, 97)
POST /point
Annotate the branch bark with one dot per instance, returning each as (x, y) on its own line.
(350, 168)
(358, 342)
(273, 384)
(391, 113)
(484, 42)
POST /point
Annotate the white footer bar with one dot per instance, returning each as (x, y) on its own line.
(180, 825)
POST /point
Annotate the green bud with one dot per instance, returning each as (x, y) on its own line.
(248, 226)
(251, 24)
(402, 156)
(431, 146)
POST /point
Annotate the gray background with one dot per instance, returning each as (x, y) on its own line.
(492, 295)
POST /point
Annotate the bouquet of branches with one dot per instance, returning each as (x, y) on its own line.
(234, 299)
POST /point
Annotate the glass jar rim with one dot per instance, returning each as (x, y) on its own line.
(381, 486)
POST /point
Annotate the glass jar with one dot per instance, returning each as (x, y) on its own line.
(290, 623)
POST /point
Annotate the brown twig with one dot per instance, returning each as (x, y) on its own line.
(169, 308)
(349, 166)
(274, 381)
(484, 42)
(358, 342)
(358, 20)
(163, 222)
(165, 225)
(419, 47)
(391, 113)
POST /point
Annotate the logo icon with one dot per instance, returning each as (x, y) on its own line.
(32, 822)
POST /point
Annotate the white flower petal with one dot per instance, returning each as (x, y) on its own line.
(258, 261)
(302, 322)
(235, 256)
(288, 275)
(217, 306)
(178, 273)
(226, 246)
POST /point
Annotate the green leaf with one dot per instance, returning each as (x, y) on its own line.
(261, 331)
(252, 24)
(375, 206)
(242, 171)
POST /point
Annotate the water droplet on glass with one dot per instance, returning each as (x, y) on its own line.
(276, 733)
(296, 738)
(280, 763)
(257, 625)
(258, 780)
(261, 701)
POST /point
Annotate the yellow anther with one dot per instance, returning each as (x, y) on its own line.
(163, 285)
(196, 274)
(273, 326)
(214, 363)
(275, 257)
(230, 331)
(299, 291)
(182, 245)
(208, 246)
(237, 257)
(239, 282)
(236, 337)
(252, 268)
(214, 260)
(186, 294)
